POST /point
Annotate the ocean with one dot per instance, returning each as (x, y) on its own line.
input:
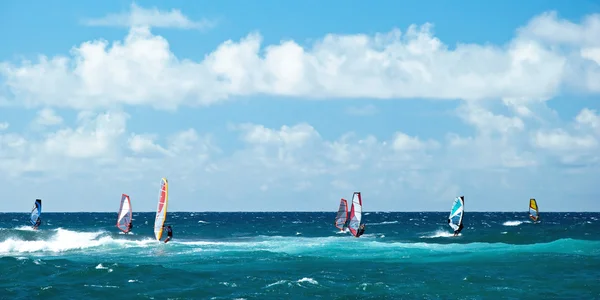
(301, 255)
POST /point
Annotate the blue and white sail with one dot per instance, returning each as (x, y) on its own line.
(456, 213)
(36, 212)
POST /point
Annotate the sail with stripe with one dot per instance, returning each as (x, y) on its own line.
(355, 213)
(342, 215)
(161, 210)
(125, 214)
(534, 213)
(36, 211)
(456, 213)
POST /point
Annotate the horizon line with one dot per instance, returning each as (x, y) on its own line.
(283, 211)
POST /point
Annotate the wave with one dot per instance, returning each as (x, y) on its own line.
(382, 223)
(514, 223)
(438, 234)
(65, 242)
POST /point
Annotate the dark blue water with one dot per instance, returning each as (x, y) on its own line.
(302, 256)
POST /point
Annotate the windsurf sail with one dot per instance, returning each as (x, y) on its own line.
(457, 212)
(36, 212)
(355, 213)
(125, 214)
(342, 215)
(161, 210)
(534, 214)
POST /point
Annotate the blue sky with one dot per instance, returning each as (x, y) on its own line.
(276, 106)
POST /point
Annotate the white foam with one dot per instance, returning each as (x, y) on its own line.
(63, 240)
(228, 284)
(438, 234)
(383, 223)
(25, 228)
(309, 280)
(512, 223)
(276, 283)
(101, 286)
(204, 222)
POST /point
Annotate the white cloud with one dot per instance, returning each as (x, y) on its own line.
(4, 125)
(404, 142)
(588, 117)
(142, 70)
(509, 144)
(488, 123)
(94, 138)
(144, 143)
(47, 117)
(575, 145)
(295, 157)
(152, 17)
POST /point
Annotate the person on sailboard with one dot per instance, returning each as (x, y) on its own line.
(460, 228)
(129, 226)
(169, 234)
(37, 223)
(361, 230)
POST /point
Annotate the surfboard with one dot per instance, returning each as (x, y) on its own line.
(355, 213)
(457, 212)
(125, 214)
(161, 209)
(36, 211)
(534, 213)
(342, 215)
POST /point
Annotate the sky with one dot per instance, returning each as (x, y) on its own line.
(290, 106)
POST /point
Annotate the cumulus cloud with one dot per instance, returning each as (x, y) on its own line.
(142, 69)
(513, 136)
(47, 117)
(152, 17)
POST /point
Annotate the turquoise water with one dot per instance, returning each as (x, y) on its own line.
(302, 256)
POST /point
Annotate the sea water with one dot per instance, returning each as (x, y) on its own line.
(301, 256)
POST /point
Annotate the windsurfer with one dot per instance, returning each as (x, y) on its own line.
(361, 230)
(457, 231)
(129, 227)
(37, 223)
(169, 234)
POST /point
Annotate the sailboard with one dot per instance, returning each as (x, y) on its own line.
(36, 211)
(161, 210)
(457, 212)
(342, 215)
(534, 213)
(355, 213)
(125, 214)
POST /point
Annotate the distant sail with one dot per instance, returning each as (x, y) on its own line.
(355, 213)
(342, 215)
(534, 213)
(457, 212)
(124, 216)
(36, 212)
(161, 210)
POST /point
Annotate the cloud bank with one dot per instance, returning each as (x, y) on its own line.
(503, 91)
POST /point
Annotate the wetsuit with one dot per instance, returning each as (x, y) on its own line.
(360, 231)
(37, 223)
(169, 234)
(460, 228)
